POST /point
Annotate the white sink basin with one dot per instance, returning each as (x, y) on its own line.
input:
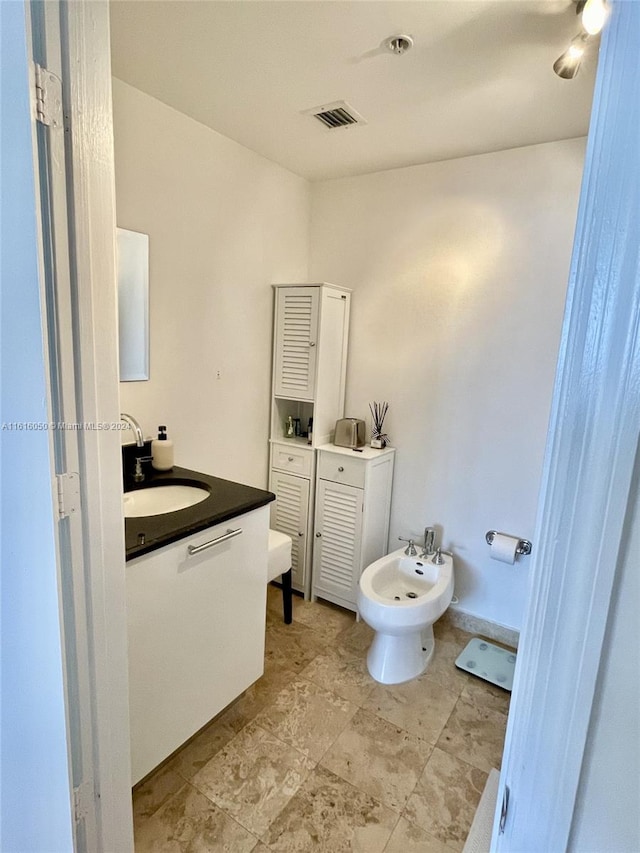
(157, 500)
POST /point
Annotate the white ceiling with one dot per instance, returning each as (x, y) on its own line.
(479, 77)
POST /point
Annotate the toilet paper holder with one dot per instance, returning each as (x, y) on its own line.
(523, 547)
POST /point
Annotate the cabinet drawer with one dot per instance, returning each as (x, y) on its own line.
(292, 458)
(341, 469)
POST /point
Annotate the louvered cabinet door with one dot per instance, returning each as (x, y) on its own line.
(296, 339)
(336, 552)
(290, 514)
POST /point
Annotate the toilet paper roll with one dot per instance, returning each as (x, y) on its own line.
(503, 548)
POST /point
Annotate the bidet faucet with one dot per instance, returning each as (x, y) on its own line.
(410, 550)
(429, 547)
(135, 426)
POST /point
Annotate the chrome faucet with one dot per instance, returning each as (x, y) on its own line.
(135, 426)
(429, 547)
(410, 550)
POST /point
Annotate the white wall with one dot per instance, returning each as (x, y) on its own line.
(224, 223)
(35, 808)
(459, 271)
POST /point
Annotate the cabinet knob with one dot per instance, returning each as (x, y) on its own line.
(341, 469)
(300, 534)
(312, 343)
(290, 458)
(318, 535)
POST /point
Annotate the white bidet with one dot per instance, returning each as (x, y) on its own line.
(401, 597)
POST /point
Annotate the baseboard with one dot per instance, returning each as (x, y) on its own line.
(483, 627)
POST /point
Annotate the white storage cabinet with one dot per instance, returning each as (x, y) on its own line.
(196, 633)
(311, 329)
(353, 504)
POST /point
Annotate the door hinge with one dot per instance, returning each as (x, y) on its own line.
(68, 487)
(83, 801)
(504, 810)
(48, 97)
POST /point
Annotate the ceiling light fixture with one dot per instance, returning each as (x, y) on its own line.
(568, 64)
(594, 15)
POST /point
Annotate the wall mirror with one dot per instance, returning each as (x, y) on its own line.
(133, 304)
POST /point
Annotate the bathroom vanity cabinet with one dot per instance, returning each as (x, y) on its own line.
(196, 632)
(310, 339)
(352, 509)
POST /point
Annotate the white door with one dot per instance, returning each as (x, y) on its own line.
(296, 342)
(290, 515)
(72, 144)
(586, 493)
(62, 382)
(336, 554)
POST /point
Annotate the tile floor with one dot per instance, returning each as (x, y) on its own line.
(317, 756)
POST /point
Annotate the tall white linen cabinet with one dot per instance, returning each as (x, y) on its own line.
(310, 340)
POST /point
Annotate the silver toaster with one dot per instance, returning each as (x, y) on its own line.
(349, 433)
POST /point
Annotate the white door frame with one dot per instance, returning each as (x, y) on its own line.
(591, 448)
(86, 46)
(72, 40)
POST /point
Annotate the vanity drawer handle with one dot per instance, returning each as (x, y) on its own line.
(290, 458)
(196, 549)
(341, 469)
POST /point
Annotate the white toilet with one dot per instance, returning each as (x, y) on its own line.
(401, 597)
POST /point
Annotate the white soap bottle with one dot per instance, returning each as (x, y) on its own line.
(162, 451)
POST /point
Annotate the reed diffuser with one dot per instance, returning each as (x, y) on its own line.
(379, 439)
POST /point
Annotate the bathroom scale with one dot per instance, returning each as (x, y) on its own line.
(493, 663)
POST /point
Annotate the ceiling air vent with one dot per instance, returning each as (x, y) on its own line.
(338, 114)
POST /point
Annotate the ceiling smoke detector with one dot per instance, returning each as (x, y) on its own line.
(398, 44)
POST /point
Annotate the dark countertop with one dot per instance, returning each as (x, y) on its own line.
(226, 500)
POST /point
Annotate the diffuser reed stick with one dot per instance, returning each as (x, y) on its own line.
(378, 411)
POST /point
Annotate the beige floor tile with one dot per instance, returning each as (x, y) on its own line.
(421, 707)
(342, 672)
(485, 695)
(356, 639)
(154, 792)
(195, 754)
(442, 667)
(408, 838)
(189, 821)
(260, 694)
(475, 734)
(445, 798)
(253, 777)
(445, 630)
(291, 646)
(252, 769)
(307, 717)
(329, 815)
(275, 610)
(325, 619)
(378, 758)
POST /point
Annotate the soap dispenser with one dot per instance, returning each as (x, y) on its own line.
(162, 451)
